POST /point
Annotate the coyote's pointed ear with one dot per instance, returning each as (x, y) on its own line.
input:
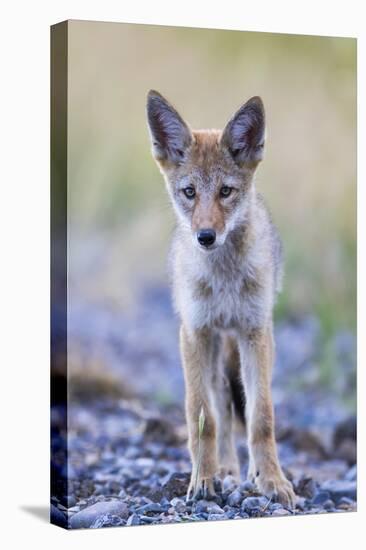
(244, 133)
(170, 135)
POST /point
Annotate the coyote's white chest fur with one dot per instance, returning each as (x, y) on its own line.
(224, 289)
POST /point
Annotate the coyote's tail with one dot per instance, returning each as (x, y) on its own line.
(238, 396)
(232, 363)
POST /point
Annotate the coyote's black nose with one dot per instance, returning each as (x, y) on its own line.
(206, 237)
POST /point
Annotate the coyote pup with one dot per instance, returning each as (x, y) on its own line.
(226, 266)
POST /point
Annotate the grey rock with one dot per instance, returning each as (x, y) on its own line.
(152, 507)
(70, 501)
(132, 452)
(315, 510)
(200, 506)
(144, 500)
(195, 517)
(171, 519)
(301, 503)
(215, 517)
(99, 489)
(280, 512)
(340, 488)
(144, 462)
(86, 517)
(208, 506)
(306, 487)
(57, 517)
(108, 520)
(64, 509)
(178, 505)
(345, 500)
(74, 509)
(235, 498)
(351, 475)
(133, 520)
(72, 473)
(148, 519)
(328, 505)
(346, 503)
(107, 456)
(320, 497)
(275, 506)
(247, 486)
(253, 503)
(214, 508)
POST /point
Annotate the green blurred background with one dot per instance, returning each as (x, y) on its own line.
(120, 220)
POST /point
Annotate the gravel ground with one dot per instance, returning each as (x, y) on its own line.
(130, 466)
(128, 462)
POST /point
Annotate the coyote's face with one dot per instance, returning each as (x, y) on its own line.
(208, 173)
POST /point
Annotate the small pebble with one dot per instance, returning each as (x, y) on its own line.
(70, 501)
(152, 507)
(208, 506)
(108, 520)
(133, 520)
(235, 498)
(74, 509)
(252, 503)
(351, 475)
(57, 517)
(320, 497)
(147, 519)
(340, 488)
(328, 505)
(247, 486)
(215, 517)
(281, 512)
(178, 505)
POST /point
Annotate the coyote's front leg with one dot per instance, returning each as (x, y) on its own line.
(196, 349)
(256, 350)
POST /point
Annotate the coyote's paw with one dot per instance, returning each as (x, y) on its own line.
(201, 488)
(277, 487)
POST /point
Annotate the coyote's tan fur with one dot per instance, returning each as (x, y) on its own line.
(226, 264)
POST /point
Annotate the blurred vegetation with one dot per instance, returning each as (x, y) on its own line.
(118, 209)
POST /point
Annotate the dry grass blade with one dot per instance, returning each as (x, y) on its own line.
(267, 504)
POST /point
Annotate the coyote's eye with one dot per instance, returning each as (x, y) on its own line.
(225, 191)
(189, 192)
